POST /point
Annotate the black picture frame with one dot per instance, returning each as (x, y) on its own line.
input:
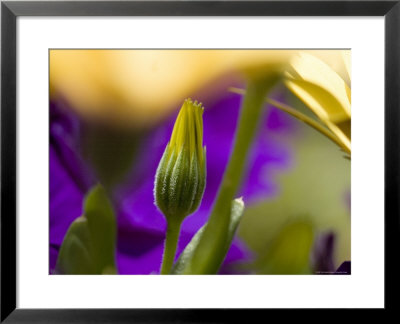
(10, 10)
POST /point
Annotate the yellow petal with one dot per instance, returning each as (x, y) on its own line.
(324, 91)
(317, 99)
(346, 56)
(309, 68)
(335, 60)
(326, 106)
(343, 132)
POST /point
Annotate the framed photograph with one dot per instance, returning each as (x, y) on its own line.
(163, 158)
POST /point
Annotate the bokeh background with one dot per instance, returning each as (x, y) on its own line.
(111, 115)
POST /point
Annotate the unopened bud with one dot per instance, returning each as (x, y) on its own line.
(181, 174)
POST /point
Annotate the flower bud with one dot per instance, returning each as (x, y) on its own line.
(181, 174)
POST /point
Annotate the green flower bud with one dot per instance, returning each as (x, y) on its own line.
(181, 175)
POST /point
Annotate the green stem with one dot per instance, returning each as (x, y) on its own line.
(211, 249)
(309, 121)
(170, 244)
(304, 118)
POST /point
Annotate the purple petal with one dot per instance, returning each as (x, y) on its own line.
(69, 178)
(52, 258)
(66, 199)
(344, 269)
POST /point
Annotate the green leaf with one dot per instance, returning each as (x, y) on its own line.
(74, 256)
(183, 264)
(89, 245)
(289, 250)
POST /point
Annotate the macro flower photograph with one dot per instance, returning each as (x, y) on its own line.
(192, 161)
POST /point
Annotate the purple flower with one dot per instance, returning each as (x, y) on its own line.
(344, 268)
(141, 227)
(69, 177)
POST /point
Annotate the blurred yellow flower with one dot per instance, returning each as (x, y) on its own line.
(141, 87)
(326, 91)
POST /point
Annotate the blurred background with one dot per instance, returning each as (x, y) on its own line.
(112, 113)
